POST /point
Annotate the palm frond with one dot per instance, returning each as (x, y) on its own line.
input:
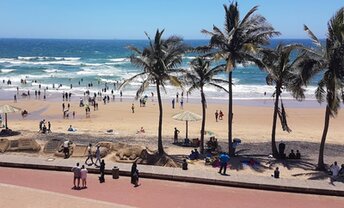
(219, 87)
(127, 81)
(142, 88)
(320, 91)
(135, 49)
(192, 88)
(314, 39)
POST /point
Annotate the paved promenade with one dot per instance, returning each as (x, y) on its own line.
(21, 188)
(176, 174)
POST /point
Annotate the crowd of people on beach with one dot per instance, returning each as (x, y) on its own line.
(44, 127)
(336, 172)
(91, 100)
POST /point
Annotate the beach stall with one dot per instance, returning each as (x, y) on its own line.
(187, 116)
(8, 109)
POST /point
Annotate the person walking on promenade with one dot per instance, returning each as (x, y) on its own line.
(97, 156)
(77, 174)
(102, 172)
(216, 115)
(134, 175)
(89, 155)
(83, 174)
(224, 158)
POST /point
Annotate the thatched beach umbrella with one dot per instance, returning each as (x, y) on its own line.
(187, 116)
(8, 109)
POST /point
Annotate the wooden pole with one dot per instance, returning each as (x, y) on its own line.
(187, 129)
(6, 120)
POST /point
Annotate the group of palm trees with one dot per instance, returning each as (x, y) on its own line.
(242, 41)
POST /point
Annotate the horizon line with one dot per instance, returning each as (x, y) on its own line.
(134, 39)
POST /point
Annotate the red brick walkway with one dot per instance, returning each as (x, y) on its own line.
(156, 193)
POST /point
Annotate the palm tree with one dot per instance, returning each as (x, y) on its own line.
(202, 74)
(158, 60)
(236, 43)
(282, 73)
(329, 60)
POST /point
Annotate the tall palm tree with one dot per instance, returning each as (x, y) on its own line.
(203, 74)
(236, 43)
(158, 61)
(329, 60)
(281, 71)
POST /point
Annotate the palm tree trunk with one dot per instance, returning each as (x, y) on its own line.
(230, 114)
(321, 165)
(160, 147)
(203, 121)
(274, 122)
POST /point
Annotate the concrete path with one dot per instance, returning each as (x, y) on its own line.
(151, 193)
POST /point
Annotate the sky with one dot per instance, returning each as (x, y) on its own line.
(129, 19)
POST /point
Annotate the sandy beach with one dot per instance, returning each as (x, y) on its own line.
(251, 123)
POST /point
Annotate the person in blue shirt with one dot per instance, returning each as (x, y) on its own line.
(224, 158)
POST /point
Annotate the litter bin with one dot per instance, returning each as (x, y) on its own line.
(115, 172)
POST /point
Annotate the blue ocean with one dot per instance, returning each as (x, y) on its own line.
(53, 62)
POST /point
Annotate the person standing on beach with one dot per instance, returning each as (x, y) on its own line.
(132, 108)
(89, 155)
(15, 98)
(176, 132)
(224, 158)
(221, 115)
(49, 126)
(97, 156)
(177, 96)
(83, 175)
(77, 174)
(66, 149)
(181, 103)
(173, 102)
(216, 115)
(63, 106)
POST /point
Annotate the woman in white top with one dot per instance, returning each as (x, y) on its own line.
(83, 176)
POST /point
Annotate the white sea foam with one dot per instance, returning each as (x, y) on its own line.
(103, 70)
(40, 61)
(47, 58)
(120, 60)
(6, 70)
(52, 70)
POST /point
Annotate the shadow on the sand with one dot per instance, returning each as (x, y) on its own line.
(313, 175)
(303, 163)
